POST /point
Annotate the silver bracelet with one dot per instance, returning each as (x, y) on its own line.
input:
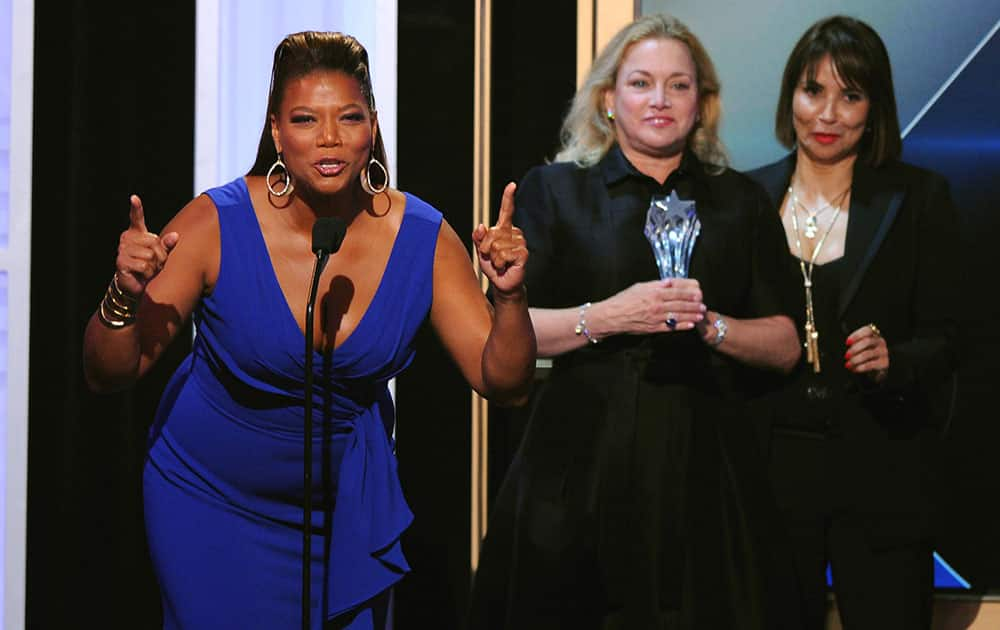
(581, 325)
(721, 328)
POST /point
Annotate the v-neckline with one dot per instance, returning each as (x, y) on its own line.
(290, 315)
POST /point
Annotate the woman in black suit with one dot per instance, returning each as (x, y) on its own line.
(635, 500)
(874, 243)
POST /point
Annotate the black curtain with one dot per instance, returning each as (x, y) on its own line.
(533, 63)
(113, 115)
(534, 80)
(435, 144)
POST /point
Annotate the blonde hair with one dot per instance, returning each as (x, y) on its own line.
(587, 134)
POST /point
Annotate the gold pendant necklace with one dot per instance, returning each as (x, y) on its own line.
(812, 334)
(812, 227)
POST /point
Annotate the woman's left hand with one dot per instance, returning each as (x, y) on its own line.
(502, 249)
(867, 353)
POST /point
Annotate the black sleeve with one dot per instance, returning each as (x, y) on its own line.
(775, 278)
(535, 213)
(929, 356)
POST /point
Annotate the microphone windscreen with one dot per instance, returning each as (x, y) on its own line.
(328, 234)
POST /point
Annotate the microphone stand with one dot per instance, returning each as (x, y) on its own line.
(321, 259)
(327, 235)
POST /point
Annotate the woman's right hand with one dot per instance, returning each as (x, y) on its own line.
(647, 307)
(141, 254)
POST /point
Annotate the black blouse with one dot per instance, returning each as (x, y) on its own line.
(584, 228)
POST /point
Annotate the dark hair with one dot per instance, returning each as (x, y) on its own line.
(300, 54)
(862, 63)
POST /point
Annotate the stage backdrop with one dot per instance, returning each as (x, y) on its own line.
(944, 61)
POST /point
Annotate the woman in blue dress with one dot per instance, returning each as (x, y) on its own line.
(223, 480)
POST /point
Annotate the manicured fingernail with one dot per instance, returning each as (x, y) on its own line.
(847, 355)
(849, 341)
(847, 365)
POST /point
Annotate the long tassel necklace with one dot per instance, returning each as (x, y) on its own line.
(812, 335)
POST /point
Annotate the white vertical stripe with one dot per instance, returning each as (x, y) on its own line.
(14, 436)
(384, 63)
(206, 86)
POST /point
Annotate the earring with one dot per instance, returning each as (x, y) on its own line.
(610, 114)
(366, 177)
(286, 178)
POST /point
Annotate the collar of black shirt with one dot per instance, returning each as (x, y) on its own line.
(616, 169)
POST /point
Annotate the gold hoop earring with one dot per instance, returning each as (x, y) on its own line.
(287, 178)
(366, 177)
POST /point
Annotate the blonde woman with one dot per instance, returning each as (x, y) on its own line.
(636, 499)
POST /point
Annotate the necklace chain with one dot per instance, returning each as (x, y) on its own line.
(812, 228)
(812, 334)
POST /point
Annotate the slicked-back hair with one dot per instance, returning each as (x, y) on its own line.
(300, 54)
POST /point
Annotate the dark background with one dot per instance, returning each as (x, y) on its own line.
(113, 95)
(960, 138)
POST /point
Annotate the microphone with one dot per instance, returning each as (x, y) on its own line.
(328, 234)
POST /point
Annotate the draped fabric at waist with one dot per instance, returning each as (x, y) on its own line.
(216, 435)
(334, 400)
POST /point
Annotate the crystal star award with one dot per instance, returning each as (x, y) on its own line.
(672, 227)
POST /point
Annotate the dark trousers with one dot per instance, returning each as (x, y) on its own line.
(877, 587)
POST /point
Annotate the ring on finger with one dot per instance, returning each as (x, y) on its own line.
(875, 330)
(671, 321)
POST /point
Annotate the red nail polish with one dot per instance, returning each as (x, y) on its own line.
(847, 365)
(849, 341)
(847, 355)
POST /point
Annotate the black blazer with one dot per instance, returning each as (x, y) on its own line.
(900, 260)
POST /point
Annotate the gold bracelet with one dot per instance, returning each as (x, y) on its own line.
(121, 305)
(112, 322)
(117, 312)
(117, 309)
(119, 293)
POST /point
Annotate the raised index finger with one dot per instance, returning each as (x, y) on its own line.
(136, 216)
(506, 217)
